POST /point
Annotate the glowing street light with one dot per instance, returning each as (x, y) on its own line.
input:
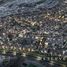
(23, 48)
(33, 23)
(36, 37)
(32, 50)
(11, 47)
(20, 48)
(46, 43)
(14, 52)
(39, 58)
(46, 32)
(20, 35)
(14, 48)
(24, 54)
(3, 47)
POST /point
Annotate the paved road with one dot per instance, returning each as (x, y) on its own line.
(9, 8)
(34, 62)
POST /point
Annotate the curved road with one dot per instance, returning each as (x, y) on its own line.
(9, 8)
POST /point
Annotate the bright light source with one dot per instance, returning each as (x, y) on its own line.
(62, 17)
(48, 14)
(33, 23)
(32, 49)
(23, 48)
(41, 51)
(45, 51)
(28, 49)
(14, 52)
(14, 48)
(46, 32)
(11, 47)
(36, 37)
(63, 52)
(39, 58)
(59, 16)
(20, 48)
(24, 54)
(24, 31)
(20, 35)
(46, 43)
(3, 33)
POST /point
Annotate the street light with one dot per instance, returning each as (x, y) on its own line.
(3, 47)
(11, 47)
(29, 49)
(20, 48)
(32, 50)
(24, 54)
(39, 58)
(14, 52)
(23, 48)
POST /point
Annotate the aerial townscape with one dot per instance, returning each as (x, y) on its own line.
(33, 33)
